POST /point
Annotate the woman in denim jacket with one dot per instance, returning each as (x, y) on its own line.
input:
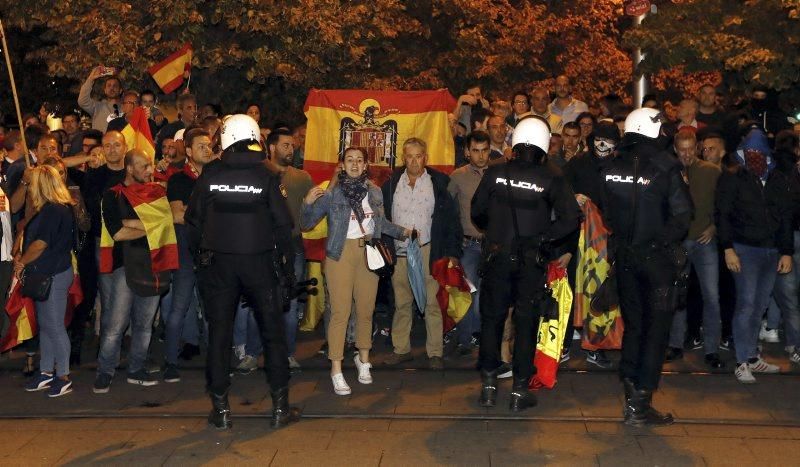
(354, 207)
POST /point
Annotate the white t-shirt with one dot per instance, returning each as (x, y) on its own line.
(353, 231)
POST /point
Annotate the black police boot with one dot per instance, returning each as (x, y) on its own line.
(220, 416)
(640, 412)
(521, 398)
(282, 413)
(488, 388)
(630, 388)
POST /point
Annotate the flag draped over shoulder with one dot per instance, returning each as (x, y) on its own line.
(378, 122)
(551, 332)
(137, 133)
(604, 330)
(149, 201)
(170, 73)
(454, 295)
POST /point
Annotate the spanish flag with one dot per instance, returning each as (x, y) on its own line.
(137, 133)
(604, 330)
(551, 332)
(22, 312)
(454, 295)
(149, 201)
(377, 122)
(170, 73)
(314, 242)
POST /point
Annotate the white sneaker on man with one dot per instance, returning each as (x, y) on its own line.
(761, 366)
(768, 335)
(340, 386)
(795, 357)
(364, 376)
(293, 364)
(743, 374)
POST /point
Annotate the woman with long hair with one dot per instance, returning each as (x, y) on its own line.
(354, 207)
(46, 256)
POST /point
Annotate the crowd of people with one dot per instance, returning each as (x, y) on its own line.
(77, 212)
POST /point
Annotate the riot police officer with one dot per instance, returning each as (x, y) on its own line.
(523, 206)
(238, 223)
(648, 208)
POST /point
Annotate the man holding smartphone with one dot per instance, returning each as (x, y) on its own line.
(109, 104)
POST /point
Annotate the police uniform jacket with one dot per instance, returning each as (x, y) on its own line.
(664, 206)
(545, 204)
(239, 207)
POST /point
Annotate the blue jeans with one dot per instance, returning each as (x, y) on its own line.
(104, 280)
(245, 331)
(753, 287)
(705, 260)
(53, 339)
(785, 300)
(125, 308)
(182, 291)
(291, 317)
(471, 261)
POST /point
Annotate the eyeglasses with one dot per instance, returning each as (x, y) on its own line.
(520, 102)
(129, 102)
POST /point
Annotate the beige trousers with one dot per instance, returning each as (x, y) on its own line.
(403, 314)
(349, 279)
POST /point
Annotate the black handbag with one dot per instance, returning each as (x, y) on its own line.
(35, 286)
(387, 255)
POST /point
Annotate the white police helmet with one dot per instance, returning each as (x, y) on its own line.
(237, 128)
(645, 122)
(533, 131)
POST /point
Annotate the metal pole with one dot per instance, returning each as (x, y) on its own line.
(14, 92)
(640, 80)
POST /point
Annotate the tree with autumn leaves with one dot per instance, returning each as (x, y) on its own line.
(273, 51)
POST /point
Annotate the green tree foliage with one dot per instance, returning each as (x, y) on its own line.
(275, 50)
(751, 41)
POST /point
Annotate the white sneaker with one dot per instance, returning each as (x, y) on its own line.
(293, 364)
(364, 376)
(795, 357)
(340, 386)
(743, 374)
(761, 366)
(768, 335)
(789, 349)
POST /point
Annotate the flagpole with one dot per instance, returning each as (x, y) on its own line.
(14, 92)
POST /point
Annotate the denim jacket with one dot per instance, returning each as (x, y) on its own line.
(334, 205)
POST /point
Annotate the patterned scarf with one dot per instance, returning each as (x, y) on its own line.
(354, 189)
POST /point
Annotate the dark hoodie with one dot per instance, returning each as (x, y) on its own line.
(752, 210)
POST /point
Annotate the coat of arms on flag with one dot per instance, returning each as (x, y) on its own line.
(377, 122)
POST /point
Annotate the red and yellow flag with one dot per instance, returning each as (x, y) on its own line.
(551, 332)
(454, 296)
(170, 73)
(22, 312)
(149, 201)
(378, 122)
(604, 330)
(137, 133)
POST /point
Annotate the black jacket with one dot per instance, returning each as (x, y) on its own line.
(753, 213)
(544, 204)
(663, 204)
(447, 235)
(583, 175)
(239, 207)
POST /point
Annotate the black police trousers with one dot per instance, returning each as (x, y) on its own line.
(645, 280)
(222, 283)
(502, 287)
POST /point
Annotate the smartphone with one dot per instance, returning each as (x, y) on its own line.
(107, 70)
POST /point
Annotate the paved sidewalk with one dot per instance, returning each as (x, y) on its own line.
(409, 416)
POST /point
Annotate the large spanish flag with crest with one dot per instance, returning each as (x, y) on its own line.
(137, 133)
(378, 122)
(149, 201)
(170, 73)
